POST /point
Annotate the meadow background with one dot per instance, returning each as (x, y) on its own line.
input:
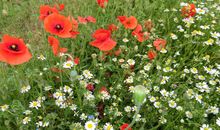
(20, 18)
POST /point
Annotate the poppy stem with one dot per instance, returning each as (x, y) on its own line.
(134, 118)
(68, 56)
(133, 3)
(60, 65)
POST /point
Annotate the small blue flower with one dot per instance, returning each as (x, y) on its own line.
(90, 117)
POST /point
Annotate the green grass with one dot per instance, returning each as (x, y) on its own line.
(21, 20)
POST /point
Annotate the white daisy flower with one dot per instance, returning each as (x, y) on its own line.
(90, 125)
(173, 36)
(4, 107)
(125, 40)
(157, 104)
(127, 109)
(205, 127)
(87, 74)
(35, 104)
(194, 70)
(218, 121)
(108, 126)
(215, 35)
(41, 57)
(131, 61)
(172, 104)
(189, 114)
(68, 64)
(25, 89)
(26, 120)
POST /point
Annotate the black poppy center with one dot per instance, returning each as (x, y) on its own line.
(14, 47)
(49, 12)
(58, 27)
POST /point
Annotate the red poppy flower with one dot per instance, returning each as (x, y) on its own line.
(128, 22)
(117, 52)
(61, 7)
(82, 20)
(124, 126)
(90, 87)
(151, 54)
(141, 37)
(103, 40)
(112, 27)
(189, 11)
(91, 19)
(159, 44)
(75, 24)
(13, 51)
(103, 89)
(59, 25)
(76, 60)
(102, 3)
(46, 10)
(55, 44)
(85, 20)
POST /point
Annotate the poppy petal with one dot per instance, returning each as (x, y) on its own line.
(91, 19)
(107, 45)
(101, 34)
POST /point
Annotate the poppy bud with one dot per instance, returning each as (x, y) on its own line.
(73, 75)
(90, 87)
(139, 95)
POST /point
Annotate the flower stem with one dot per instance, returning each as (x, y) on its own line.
(134, 118)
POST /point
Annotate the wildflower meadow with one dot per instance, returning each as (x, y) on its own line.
(109, 64)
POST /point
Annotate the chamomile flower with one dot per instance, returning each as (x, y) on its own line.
(205, 127)
(125, 40)
(173, 36)
(147, 67)
(127, 109)
(90, 125)
(157, 104)
(209, 42)
(198, 98)
(4, 107)
(213, 109)
(68, 64)
(87, 74)
(215, 35)
(194, 70)
(200, 11)
(218, 121)
(25, 89)
(131, 62)
(35, 104)
(41, 57)
(108, 126)
(152, 99)
(129, 80)
(189, 114)
(163, 50)
(83, 116)
(67, 89)
(26, 120)
(172, 104)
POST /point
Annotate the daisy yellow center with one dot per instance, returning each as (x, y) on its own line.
(109, 127)
(35, 104)
(206, 128)
(89, 125)
(68, 64)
